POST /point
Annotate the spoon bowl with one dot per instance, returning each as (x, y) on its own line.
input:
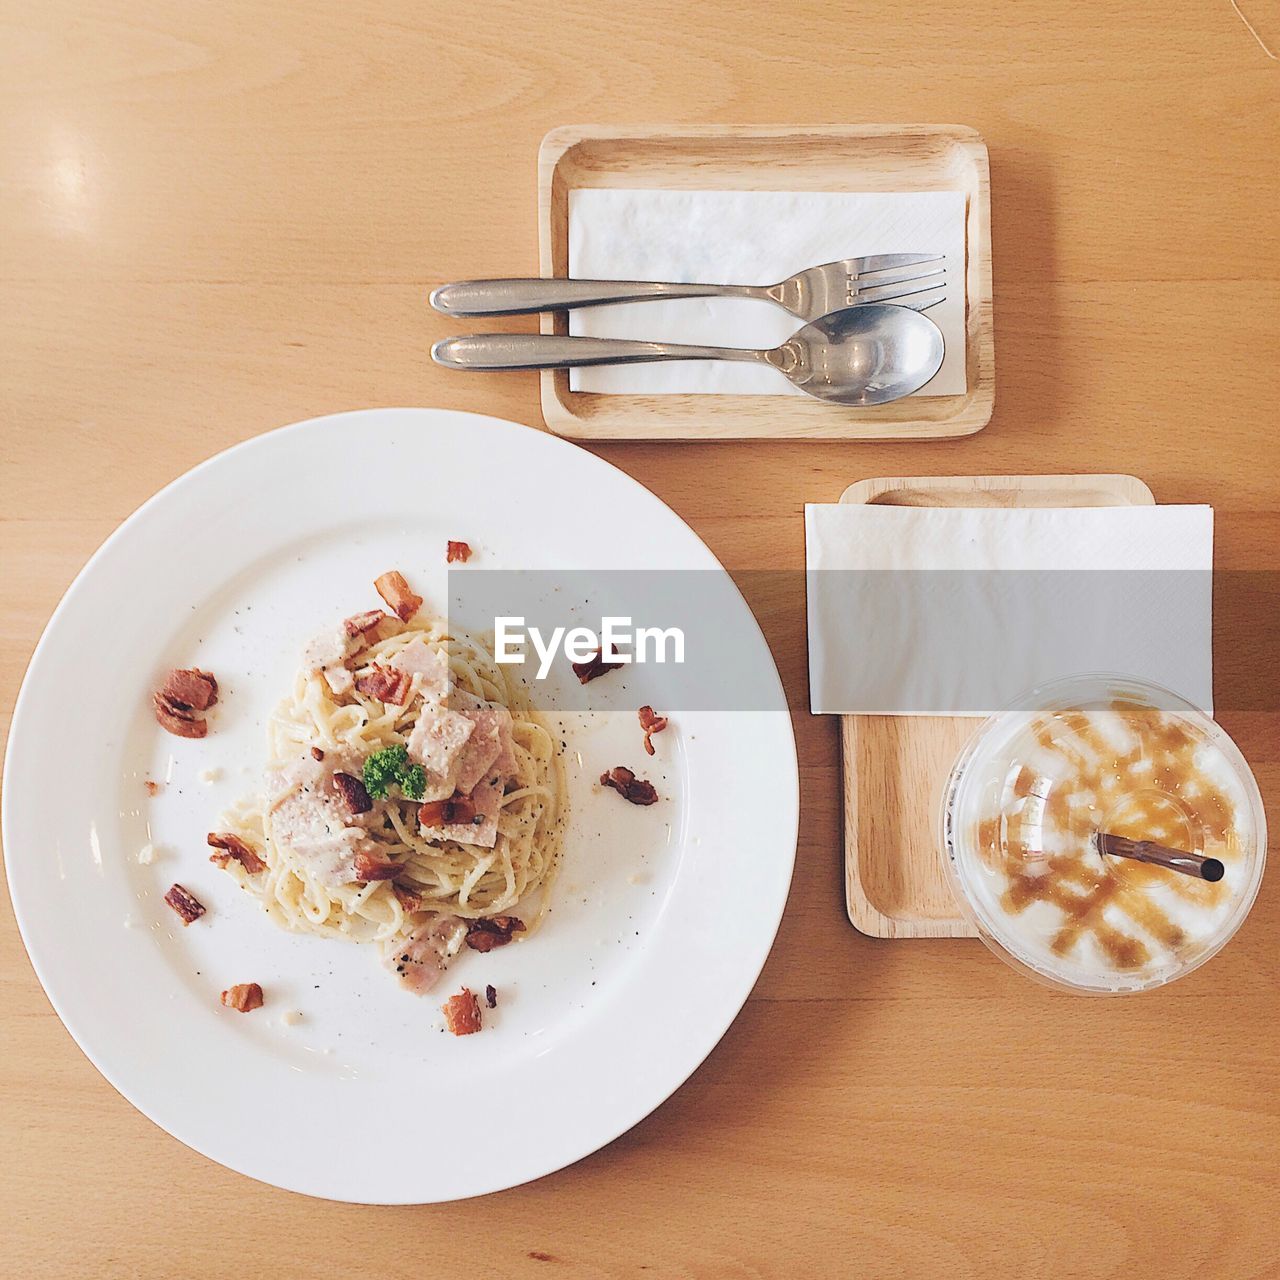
(862, 355)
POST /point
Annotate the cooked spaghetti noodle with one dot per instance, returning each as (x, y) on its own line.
(435, 877)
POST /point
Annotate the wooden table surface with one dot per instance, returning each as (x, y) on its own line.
(219, 218)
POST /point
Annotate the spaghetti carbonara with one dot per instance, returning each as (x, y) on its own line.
(412, 799)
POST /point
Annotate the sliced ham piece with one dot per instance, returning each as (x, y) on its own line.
(486, 802)
(421, 961)
(491, 746)
(420, 659)
(327, 654)
(330, 651)
(314, 829)
(395, 591)
(307, 815)
(339, 679)
(436, 743)
(483, 748)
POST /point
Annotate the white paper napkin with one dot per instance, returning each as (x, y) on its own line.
(745, 237)
(955, 611)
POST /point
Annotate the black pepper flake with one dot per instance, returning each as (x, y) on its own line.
(491, 996)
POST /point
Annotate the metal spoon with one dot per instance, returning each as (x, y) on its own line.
(863, 355)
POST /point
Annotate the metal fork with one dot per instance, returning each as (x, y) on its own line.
(916, 280)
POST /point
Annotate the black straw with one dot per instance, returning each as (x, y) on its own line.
(1188, 864)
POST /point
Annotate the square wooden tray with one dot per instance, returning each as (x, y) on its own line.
(894, 766)
(758, 158)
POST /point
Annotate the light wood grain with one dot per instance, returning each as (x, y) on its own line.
(221, 218)
(895, 766)
(907, 157)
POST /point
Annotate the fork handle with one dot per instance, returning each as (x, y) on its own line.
(520, 297)
(551, 351)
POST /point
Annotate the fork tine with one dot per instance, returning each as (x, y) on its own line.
(902, 284)
(860, 267)
(921, 300)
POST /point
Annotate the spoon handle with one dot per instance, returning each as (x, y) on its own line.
(549, 351)
(520, 297)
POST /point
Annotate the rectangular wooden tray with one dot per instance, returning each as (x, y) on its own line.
(764, 158)
(894, 766)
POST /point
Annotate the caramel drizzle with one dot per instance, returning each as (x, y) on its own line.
(1081, 889)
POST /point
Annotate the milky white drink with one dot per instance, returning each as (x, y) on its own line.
(1037, 785)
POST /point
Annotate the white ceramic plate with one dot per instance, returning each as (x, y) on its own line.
(662, 917)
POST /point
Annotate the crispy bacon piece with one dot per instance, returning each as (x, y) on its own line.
(628, 786)
(185, 903)
(594, 667)
(191, 688)
(351, 791)
(462, 1013)
(177, 718)
(651, 724)
(232, 846)
(178, 702)
(456, 810)
(368, 868)
(243, 997)
(457, 551)
(403, 602)
(484, 935)
(316, 753)
(385, 684)
(408, 898)
(360, 624)
(491, 996)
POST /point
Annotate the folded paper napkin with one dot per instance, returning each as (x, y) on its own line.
(745, 237)
(958, 611)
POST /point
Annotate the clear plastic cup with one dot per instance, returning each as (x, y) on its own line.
(1091, 754)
